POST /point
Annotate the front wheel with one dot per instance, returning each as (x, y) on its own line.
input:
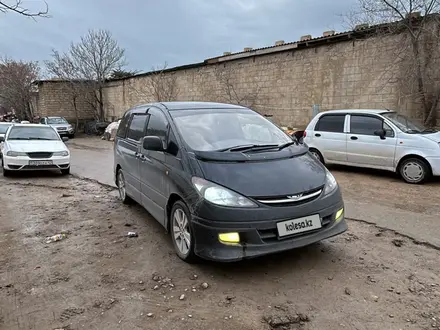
(5, 171)
(181, 233)
(414, 170)
(65, 171)
(317, 155)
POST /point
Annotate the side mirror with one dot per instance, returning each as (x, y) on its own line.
(65, 138)
(381, 133)
(2, 139)
(153, 143)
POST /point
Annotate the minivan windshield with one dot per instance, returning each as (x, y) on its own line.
(32, 133)
(405, 124)
(227, 130)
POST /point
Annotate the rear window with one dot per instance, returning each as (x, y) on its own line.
(331, 123)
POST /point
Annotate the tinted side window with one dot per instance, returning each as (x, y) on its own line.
(158, 125)
(331, 123)
(136, 131)
(123, 126)
(365, 125)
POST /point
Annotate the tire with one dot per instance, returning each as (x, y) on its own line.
(6, 172)
(414, 170)
(71, 136)
(125, 199)
(181, 232)
(65, 171)
(317, 154)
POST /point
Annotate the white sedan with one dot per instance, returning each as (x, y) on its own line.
(30, 147)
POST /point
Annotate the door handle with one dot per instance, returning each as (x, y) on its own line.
(317, 135)
(354, 137)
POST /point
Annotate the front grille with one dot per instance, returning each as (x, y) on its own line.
(61, 128)
(289, 200)
(271, 235)
(39, 154)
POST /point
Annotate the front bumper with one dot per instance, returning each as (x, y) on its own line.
(21, 163)
(66, 132)
(435, 165)
(260, 238)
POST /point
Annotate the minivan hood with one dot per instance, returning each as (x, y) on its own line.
(36, 145)
(433, 136)
(267, 177)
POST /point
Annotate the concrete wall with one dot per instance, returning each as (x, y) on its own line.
(358, 73)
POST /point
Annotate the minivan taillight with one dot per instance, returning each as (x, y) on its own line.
(304, 134)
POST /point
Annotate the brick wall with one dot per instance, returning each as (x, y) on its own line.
(358, 73)
(55, 99)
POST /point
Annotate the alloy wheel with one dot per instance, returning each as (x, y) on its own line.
(121, 185)
(181, 233)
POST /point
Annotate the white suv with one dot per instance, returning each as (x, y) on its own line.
(380, 139)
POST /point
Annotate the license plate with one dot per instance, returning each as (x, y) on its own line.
(40, 162)
(299, 225)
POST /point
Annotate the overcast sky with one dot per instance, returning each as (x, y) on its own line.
(177, 31)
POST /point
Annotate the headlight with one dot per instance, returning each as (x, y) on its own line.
(11, 153)
(61, 153)
(220, 195)
(330, 182)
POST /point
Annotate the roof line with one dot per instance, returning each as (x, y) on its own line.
(362, 31)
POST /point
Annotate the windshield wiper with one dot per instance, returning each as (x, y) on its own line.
(429, 130)
(18, 138)
(288, 144)
(248, 147)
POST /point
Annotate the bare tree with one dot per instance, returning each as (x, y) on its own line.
(17, 7)
(89, 63)
(232, 91)
(162, 86)
(418, 25)
(16, 79)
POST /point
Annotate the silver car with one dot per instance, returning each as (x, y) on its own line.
(60, 124)
(379, 139)
(3, 128)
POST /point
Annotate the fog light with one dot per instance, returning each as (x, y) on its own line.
(229, 238)
(339, 215)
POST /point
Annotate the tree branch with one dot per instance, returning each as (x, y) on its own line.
(18, 8)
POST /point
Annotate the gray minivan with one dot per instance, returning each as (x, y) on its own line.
(227, 183)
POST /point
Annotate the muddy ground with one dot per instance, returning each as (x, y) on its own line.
(97, 278)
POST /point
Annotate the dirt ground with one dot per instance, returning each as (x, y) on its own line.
(97, 278)
(388, 189)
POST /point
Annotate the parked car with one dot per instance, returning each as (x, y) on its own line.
(224, 181)
(3, 128)
(30, 147)
(380, 139)
(60, 124)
